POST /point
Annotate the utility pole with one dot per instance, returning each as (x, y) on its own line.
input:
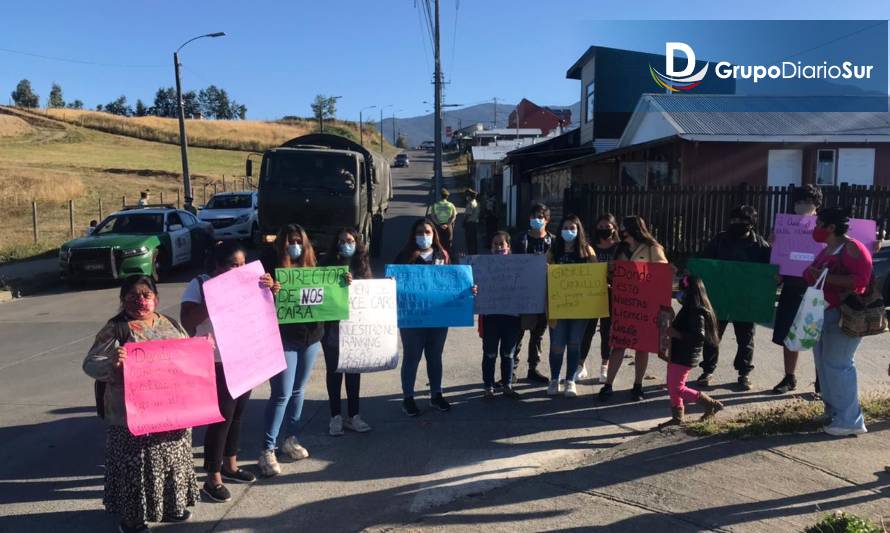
(437, 158)
(495, 123)
(361, 129)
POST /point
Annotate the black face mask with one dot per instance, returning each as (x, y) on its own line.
(739, 229)
(603, 233)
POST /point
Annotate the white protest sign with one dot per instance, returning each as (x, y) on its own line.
(369, 340)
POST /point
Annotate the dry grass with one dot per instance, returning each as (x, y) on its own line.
(13, 126)
(784, 418)
(20, 187)
(245, 135)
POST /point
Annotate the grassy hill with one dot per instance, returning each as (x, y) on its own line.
(53, 156)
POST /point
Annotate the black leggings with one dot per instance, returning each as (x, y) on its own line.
(221, 439)
(334, 382)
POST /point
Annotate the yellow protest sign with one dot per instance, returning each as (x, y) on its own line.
(577, 291)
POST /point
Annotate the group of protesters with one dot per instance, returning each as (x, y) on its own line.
(151, 478)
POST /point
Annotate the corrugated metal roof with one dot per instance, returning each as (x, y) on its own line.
(762, 115)
(508, 131)
(498, 151)
(602, 145)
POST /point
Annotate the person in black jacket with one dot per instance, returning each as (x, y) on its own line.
(739, 243)
(694, 327)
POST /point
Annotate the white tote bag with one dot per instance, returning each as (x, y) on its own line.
(807, 326)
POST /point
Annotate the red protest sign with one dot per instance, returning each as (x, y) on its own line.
(169, 385)
(639, 291)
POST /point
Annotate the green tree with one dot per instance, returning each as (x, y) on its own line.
(164, 104)
(402, 141)
(119, 106)
(55, 96)
(324, 108)
(190, 106)
(24, 95)
(140, 110)
(76, 104)
(215, 103)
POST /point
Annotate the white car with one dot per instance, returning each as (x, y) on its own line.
(233, 215)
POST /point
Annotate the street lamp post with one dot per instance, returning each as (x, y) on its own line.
(183, 143)
(321, 114)
(361, 130)
(381, 125)
(394, 141)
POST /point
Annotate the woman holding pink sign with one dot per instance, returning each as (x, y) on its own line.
(221, 439)
(151, 477)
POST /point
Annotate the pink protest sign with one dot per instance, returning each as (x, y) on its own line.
(245, 327)
(794, 248)
(169, 385)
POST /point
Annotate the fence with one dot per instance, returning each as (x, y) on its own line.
(54, 222)
(684, 219)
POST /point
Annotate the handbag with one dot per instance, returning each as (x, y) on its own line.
(807, 325)
(863, 314)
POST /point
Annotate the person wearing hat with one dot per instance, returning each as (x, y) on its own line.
(472, 211)
(444, 213)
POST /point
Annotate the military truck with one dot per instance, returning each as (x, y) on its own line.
(323, 182)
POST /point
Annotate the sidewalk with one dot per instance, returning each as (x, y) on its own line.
(674, 482)
(25, 276)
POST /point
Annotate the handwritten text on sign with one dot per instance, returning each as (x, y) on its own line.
(245, 327)
(794, 248)
(433, 296)
(577, 291)
(639, 291)
(170, 385)
(369, 340)
(510, 284)
(312, 294)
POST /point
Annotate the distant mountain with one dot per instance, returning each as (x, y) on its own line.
(419, 129)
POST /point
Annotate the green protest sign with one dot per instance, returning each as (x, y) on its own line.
(739, 291)
(312, 294)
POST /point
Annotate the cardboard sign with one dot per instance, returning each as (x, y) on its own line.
(369, 340)
(794, 248)
(245, 327)
(170, 385)
(577, 291)
(430, 296)
(639, 291)
(739, 291)
(510, 284)
(315, 294)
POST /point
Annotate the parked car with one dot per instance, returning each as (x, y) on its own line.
(149, 240)
(233, 215)
(401, 160)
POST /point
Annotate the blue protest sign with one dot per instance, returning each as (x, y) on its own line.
(433, 296)
(510, 284)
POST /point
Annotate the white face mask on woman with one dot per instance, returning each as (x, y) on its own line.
(294, 251)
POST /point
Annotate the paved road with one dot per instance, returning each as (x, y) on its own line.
(51, 442)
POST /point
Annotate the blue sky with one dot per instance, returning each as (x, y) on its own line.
(278, 55)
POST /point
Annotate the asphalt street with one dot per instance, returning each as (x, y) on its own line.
(51, 442)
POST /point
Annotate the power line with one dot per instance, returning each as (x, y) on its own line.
(454, 35)
(77, 61)
(423, 38)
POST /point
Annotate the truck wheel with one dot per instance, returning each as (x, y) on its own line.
(376, 236)
(160, 265)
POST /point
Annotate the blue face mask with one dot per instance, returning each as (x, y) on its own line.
(681, 295)
(294, 251)
(537, 223)
(347, 249)
(424, 241)
(569, 235)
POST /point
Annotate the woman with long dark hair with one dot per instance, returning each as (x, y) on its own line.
(149, 478)
(637, 244)
(605, 246)
(302, 342)
(346, 250)
(570, 247)
(422, 248)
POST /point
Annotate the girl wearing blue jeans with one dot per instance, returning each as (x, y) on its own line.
(499, 331)
(302, 344)
(569, 247)
(423, 248)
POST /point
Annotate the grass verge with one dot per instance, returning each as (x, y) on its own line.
(841, 522)
(789, 417)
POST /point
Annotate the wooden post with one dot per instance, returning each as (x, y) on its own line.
(71, 219)
(177, 199)
(124, 201)
(224, 183)
(34, 219)
(100, 209)
(205, 194)
(214, 187)
(162, 197)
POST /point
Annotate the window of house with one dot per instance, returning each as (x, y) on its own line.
(588, 103)
(632, 174)
(825, 167)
